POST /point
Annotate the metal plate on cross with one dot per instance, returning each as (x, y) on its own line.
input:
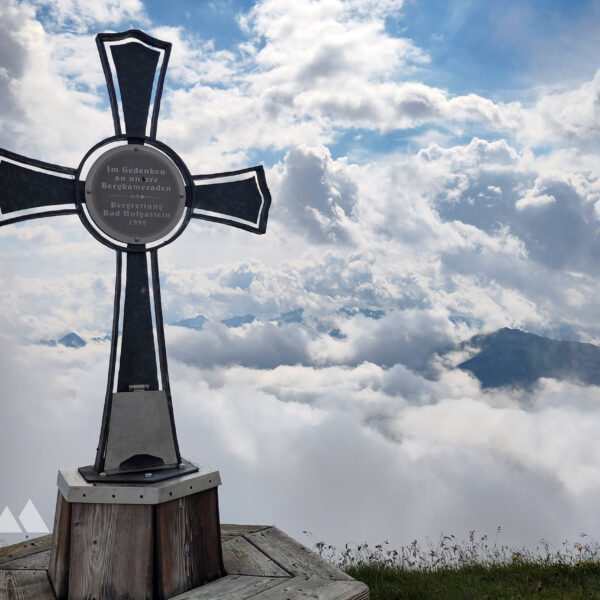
(135, 194)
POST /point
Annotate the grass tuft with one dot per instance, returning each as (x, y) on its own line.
(472, 569)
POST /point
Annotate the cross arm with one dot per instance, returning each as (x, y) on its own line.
(135, 65)
(34, 186)
(239, 198)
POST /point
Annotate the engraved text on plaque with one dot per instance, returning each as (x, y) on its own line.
(135, 194)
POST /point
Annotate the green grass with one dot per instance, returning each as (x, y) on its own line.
(472, 569)
(480, 582)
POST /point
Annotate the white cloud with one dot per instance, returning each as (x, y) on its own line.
(318, 195)
(194, 60)
(50, 83)
(565, 115)
(80, 15)
(260, 345)
(309, 71)
(308, 38)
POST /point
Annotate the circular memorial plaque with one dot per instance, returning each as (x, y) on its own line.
(135, 194)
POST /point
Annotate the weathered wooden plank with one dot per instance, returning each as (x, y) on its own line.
(240, 557)
(188, 543)
(25, 585)
(293, 556)
(231, 587)
(229, 531)
(58, 567)
(111, 551)
(25, 549)
(298, 588)
(33, 562)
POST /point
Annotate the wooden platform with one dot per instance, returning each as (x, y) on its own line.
(261, 563)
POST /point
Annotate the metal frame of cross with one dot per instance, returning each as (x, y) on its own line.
(137, 424)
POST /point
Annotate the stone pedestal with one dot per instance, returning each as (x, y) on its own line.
(130, 542)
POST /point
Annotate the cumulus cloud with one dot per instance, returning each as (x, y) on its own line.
(317, 195)
(565, 115)
(80, 15)
(306, 73)
(51, 82)
(449, 230)
(259, 345)
(551, 212)
(194, 60)
(15, 19)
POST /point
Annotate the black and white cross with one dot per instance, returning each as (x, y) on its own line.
(134, 194)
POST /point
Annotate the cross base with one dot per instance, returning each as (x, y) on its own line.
(186, 467)
(135, 542)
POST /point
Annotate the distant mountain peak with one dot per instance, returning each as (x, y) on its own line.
(72, 340)
(292, 316)
(365, 312)
(238, 320)
(196, 322)
(511, 357)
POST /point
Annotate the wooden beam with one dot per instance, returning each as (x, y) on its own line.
(33, 562)
(231, 587)
(229, 531)
(58, 567)
(188, 545)
(304, 588)
(25, 585)
(25, 548)
(111, 551)
(293, 556)
(242, 558)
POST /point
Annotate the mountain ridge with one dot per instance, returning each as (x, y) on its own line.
(511, 357)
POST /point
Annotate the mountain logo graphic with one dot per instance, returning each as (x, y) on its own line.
(30, 521)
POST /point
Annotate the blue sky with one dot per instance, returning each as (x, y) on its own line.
(493, 48)
(217, 21)
(431, 163)
(503, 49)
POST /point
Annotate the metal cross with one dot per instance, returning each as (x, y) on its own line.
(134, 194)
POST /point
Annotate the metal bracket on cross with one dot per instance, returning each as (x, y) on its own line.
(134, 194)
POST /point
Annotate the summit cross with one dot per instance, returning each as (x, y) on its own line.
(134, 194)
